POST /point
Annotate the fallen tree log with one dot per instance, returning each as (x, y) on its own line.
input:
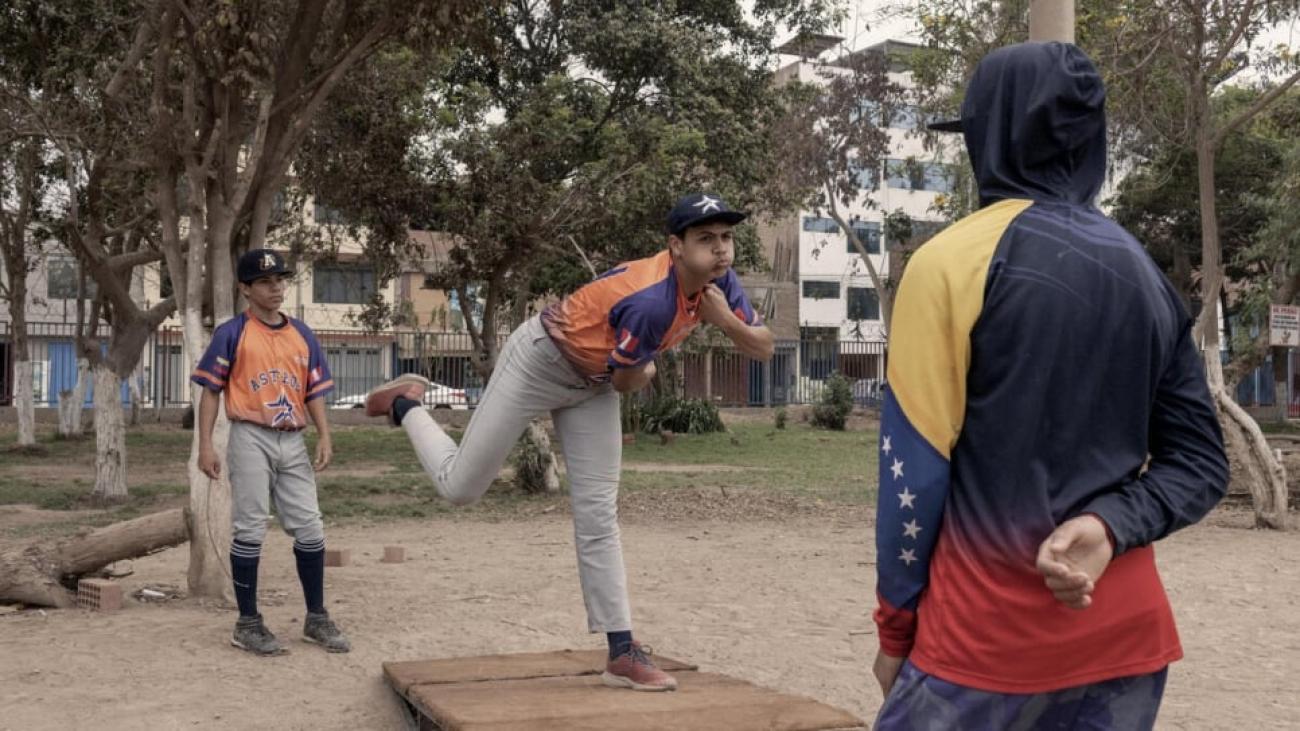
(45, 573)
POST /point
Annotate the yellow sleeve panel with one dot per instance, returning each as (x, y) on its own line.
(939, 300)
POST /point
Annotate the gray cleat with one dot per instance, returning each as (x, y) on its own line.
(319, 628)
(252, 635)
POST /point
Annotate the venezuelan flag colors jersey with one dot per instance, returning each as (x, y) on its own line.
(1037, 358)
(1041, 367)
(268, 374)
(630, 313)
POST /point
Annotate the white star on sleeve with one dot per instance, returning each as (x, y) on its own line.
(907, 556)
(905, 499)
(897, 469)
(885, 446)
(911, 528)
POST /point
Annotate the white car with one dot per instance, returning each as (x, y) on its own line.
(437, 397)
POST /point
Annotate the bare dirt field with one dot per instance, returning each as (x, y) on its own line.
(780, 602)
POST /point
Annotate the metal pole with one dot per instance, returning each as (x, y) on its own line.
(1051, 20)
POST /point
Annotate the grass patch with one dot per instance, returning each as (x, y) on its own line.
(375, 473)
(798, 460)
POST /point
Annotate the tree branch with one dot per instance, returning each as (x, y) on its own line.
(142, 37)
(134, 259)
(1243, 22)
(1260, 105)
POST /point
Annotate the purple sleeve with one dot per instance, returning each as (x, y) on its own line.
(214, 367)
(636, 335)
(729, 283)
(319, 380)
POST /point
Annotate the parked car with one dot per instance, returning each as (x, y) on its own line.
(437, 397)
(868, 391)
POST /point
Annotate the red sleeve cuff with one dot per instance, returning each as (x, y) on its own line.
(897, 628)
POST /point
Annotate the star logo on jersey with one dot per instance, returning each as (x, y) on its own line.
(286, 412)
(708, 204)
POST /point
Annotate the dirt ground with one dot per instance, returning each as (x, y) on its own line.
(780, 603)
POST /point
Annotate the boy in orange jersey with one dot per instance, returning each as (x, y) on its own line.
(573, 361)
(273, 374)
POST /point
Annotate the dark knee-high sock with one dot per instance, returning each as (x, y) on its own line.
(311, 572)
(401, 405)
(243, 571)
(618, 642)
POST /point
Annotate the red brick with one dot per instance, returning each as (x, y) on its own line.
(394, 554)
(338, 556)
(99, 594)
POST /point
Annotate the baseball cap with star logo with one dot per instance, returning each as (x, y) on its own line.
(699, 208)
(258, 263)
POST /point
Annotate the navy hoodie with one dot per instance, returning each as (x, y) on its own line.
(1038, 357)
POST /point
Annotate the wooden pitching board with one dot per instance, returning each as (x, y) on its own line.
(562, 691)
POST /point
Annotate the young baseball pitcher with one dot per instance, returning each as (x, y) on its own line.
(572, 362)
(272, 371)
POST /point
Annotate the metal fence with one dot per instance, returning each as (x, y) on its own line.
(796, 374)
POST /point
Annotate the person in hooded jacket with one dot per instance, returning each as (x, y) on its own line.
(1047, 420)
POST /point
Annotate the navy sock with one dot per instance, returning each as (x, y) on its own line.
(311, 572)
(401, 405)
(618, 642)
(243, 572)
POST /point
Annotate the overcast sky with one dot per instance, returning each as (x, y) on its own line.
(872, 21)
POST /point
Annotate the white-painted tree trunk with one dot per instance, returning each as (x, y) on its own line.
(136, 396)
(72, 403)
(25, 403)
(209, 499)
(110, 436)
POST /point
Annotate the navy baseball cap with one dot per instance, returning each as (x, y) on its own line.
(700, 208)
(258, 263)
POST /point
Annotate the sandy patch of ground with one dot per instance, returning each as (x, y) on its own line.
(781, 603)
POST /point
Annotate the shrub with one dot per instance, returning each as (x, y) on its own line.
(835, 404)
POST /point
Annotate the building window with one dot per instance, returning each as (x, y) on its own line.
(342, 284)
(913, 175)
(864, 304)
(866, 178)
(905, 116)
(326, 216)
(821, 290)
(869, 233)
(820, 225)
(61, 284)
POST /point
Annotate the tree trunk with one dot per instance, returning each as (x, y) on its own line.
(536, 470)
(135, 395)
(1244, 442)
(38, 574)
(209, 513)
(110, 436)
(73, 402)
(1248, 451)
(25, 403)
(1281, 395)
(1051, 20)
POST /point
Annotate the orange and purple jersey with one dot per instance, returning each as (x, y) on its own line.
(268, 373)
(630, 313)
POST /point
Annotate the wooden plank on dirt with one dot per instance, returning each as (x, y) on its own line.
(561, 691)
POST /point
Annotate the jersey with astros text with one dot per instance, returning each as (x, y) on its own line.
(268, 373)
